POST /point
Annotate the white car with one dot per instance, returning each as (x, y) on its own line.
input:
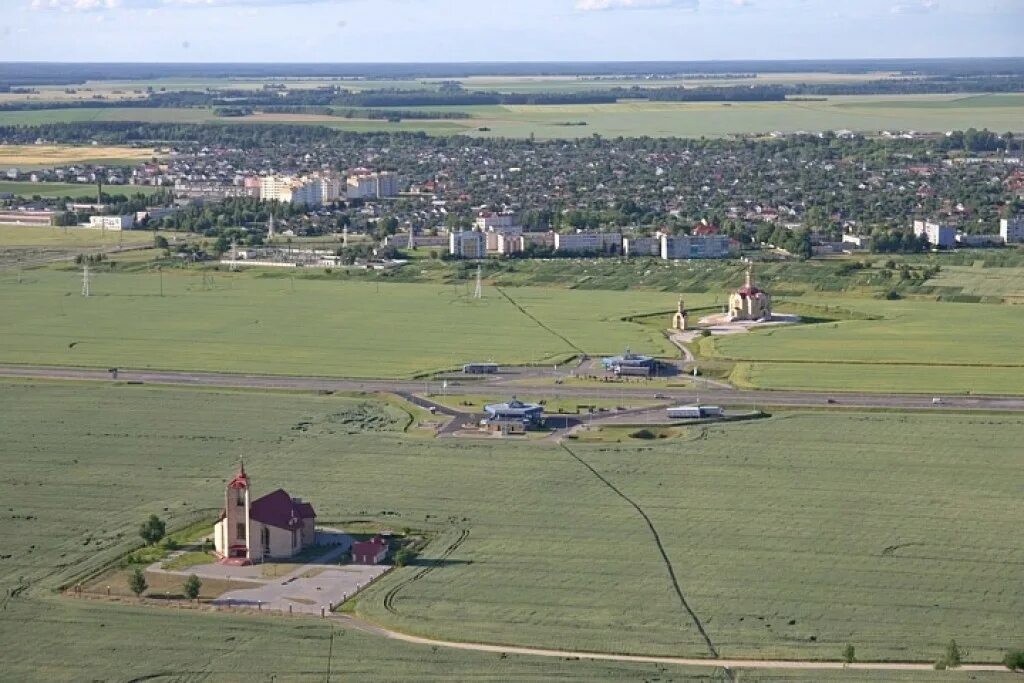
(936, 401)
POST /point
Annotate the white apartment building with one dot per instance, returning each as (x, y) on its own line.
(372, 185)
(1012, 229)
(588, 241)
(112, 222)
(306, 191)
(694, 246)
(641, 246)
(937, 234)
(467, 244)
(506, 223)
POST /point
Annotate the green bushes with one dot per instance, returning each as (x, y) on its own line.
(1014, 660)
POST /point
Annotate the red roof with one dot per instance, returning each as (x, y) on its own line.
(241, 481)
(280, 510)
(749, 291)
(369, 551)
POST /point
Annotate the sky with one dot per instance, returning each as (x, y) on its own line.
(504, 30)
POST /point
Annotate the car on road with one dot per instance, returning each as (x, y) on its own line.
(937, 401)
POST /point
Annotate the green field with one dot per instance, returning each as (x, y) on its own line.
(921, 346)
(15, 236)
(58, 190)
(777, 532)
(241, 322)
(926, 113)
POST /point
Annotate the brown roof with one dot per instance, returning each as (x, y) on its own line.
(280, 510)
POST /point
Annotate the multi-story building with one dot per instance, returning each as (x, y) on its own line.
(467, 244)
(589, 241)
(286, 189)
(641, 246)
(694, 247)
(112, 222)
(505, 223)
(1012, 229)
(937, 234)
(372, 185)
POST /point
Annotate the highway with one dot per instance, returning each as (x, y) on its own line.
(501, 385)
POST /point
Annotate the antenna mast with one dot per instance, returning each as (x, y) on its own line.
(85, 279)
(412, 238)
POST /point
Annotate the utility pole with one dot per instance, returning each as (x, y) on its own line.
(479, 292)
(85, 279)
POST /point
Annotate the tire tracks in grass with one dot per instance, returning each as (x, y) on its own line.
(389, 597)
(539, 323)
(664, 556)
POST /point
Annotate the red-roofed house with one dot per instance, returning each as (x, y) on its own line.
(749, 302)
(370, 552)
(275, 525)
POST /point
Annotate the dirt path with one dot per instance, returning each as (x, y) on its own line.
(367, 627)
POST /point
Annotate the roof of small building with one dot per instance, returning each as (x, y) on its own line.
(280, 510)
(513, 407)
(370, 547)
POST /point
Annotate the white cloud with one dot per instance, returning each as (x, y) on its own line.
(601, 5)
(94, 5)
(920, 7)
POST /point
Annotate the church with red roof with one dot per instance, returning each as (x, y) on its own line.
(275, 525)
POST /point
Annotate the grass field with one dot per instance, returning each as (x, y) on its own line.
(926, 113)
(1002, 283)
(41, 156)
(241, 322)
(12, 236)
(25, 189)
(910, 346)
(777, 532)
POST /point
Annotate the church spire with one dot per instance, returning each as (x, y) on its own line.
(750, 275)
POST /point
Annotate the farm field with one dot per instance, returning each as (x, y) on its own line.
(233, 322)
(42, 156)
(911, 346)
(1004, 283)
(58, 190)
(899, 539)
(22, 236)
(931, 113)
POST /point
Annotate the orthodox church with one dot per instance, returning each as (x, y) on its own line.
(272, 526)
(749, 302)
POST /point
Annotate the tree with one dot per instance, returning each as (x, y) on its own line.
(137, 582)
(192, 587)
(1014, 660)
(953, 657)
(152, 530)
(849, 654)
(160, 242)
(404, 556)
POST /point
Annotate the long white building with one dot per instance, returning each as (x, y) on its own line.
(694, 246)
(937, 234)
(308, 191)
(588, 241)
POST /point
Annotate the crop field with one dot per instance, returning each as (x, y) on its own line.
(41, 156)
(1000, 283)
(242, 322)
(786, 541)
(911, 346)
(15, 236)
(27, 189)
(926, 113)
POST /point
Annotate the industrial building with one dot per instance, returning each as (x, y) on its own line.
(512, 417)
(694, 412)
(641, 246)
(630, 364)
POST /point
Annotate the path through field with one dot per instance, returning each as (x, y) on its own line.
(367, 627)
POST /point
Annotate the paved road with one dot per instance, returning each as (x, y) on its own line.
(357, 623)
(710, 395)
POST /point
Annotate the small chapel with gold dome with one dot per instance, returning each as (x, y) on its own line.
(750, 302)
